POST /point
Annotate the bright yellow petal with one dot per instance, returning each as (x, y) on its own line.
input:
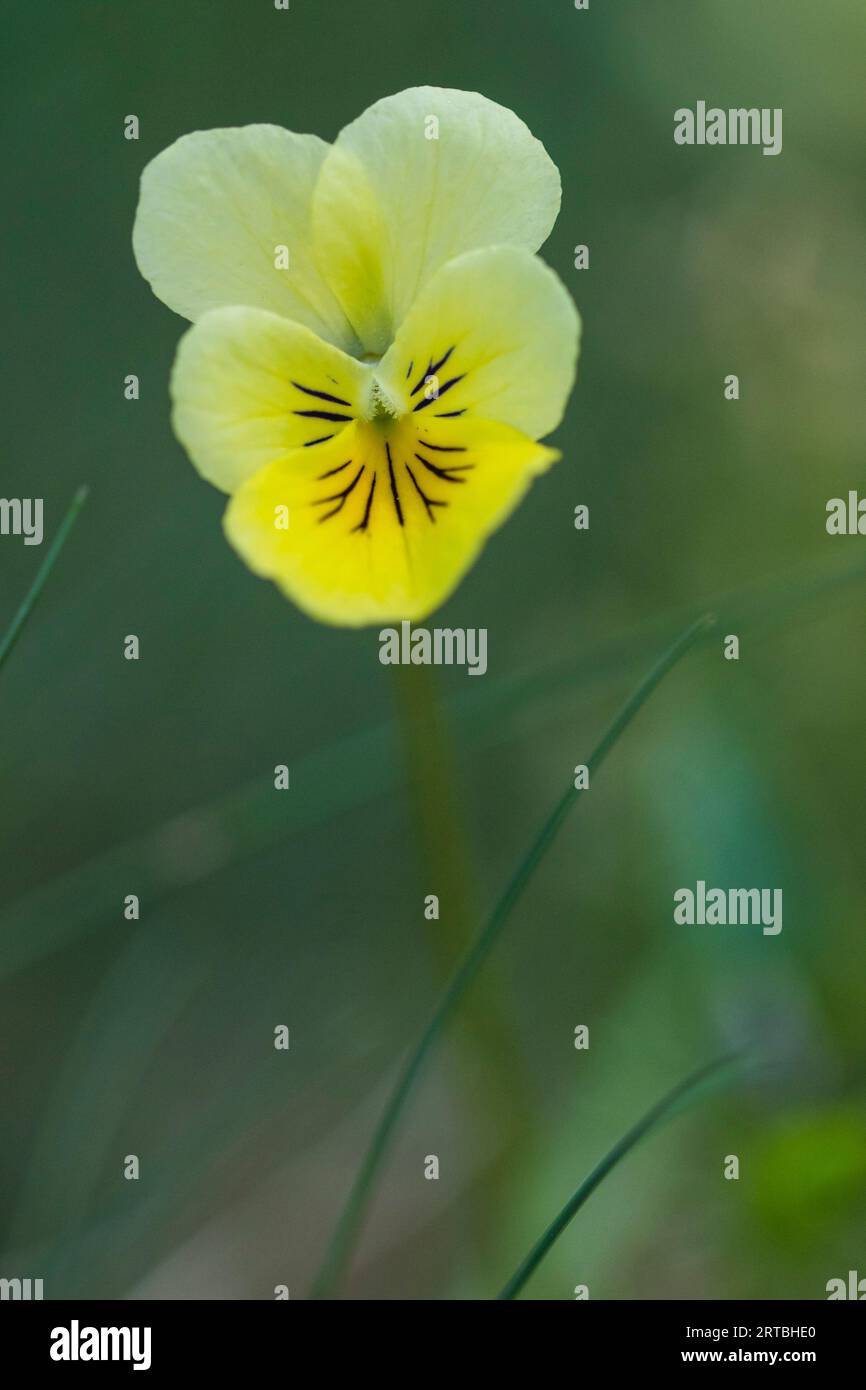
(493, 336)
(250, 387)
(214, 209)
(381, 523)
(420, 178)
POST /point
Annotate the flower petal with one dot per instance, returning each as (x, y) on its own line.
(213, 209)
(419, 178)
(494, 336)
(250, 387)
(384, 522)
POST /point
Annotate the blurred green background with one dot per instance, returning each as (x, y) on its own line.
(306, 908)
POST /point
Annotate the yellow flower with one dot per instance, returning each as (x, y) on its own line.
(375, 349)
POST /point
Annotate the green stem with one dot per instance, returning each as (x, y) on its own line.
(483, 1031)
(339, 1250)
(32, 596)
(669, 1105)
(436, 807)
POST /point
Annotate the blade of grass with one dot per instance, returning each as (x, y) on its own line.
(685, 1093)
(31, 598)
(348, 1227)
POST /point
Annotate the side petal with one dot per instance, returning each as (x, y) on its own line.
(419, 178)
(249, 387)
(213, 210)
(385, 522)
(493, 336)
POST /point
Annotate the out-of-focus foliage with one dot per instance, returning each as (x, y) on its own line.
(155, 1038)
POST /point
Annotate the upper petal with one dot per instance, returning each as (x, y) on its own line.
(417, 179)
(213, 209)
(249, 387)
(494, 335)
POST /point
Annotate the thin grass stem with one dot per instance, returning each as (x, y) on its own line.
(686, 1093)
(31, 598)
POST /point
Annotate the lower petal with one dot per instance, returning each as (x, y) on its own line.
(386, 520)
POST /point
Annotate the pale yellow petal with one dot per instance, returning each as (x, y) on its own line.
(420, 178)
(494, 336)
(250, 387)
(224, 218)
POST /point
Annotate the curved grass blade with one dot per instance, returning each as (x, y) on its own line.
(350, 1221)
(684, 1094)
(32, 596)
